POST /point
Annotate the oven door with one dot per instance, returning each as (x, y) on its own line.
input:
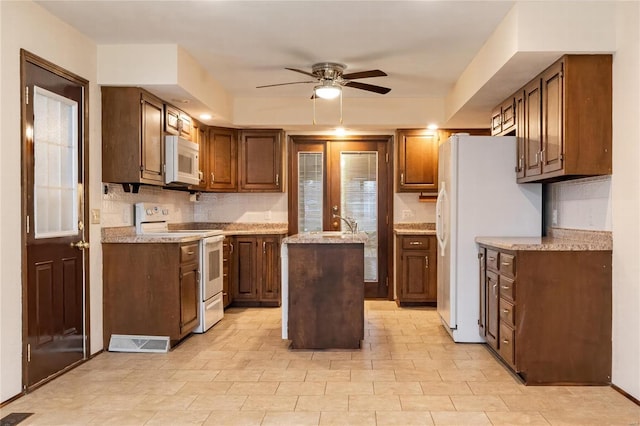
(211, 279)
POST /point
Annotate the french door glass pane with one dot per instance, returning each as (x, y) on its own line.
(359, 199)
(309, 191)
(55, 143)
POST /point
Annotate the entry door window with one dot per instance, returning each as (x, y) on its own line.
(359, 199)
(55, 139)
(310, 190)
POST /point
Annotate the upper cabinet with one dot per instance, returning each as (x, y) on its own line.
(132, 136)
(222, 160)
(417, 150)
(260, 163)
(564, 120)
(178, 123)
(201, 137)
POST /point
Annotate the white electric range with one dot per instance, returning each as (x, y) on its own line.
(152, 219)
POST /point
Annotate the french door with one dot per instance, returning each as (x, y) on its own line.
(54, 209)
(337, 180)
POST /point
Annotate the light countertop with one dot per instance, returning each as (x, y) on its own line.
(326, 238)
(418, 228)
(556, 240)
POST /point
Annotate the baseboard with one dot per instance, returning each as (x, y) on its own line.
(626, 394)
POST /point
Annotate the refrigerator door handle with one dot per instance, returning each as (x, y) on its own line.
(440, 236)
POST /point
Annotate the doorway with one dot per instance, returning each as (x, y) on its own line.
(334, 180)
(54, 210)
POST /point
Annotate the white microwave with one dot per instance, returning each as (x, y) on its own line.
(181, 157)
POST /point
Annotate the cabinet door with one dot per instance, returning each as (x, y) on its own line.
(520, 133)
(269, 269)
(261, 161)
(496, 121)
(482, 269)
(186, 126)
(152, 146)
(508, 111)
(415, 275)
(417, 161)
(189, 299)
(222, 160)
(492, 326)
(532, 128)
(246, 284)
(552, 119)
(171, 120)
(201, 137)
(227, 268)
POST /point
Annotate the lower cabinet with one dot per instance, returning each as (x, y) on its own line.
(416, 266)
(227, 271)
(547, 314)
(256, 270)
(150, 289)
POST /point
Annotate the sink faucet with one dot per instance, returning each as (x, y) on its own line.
(351, 223)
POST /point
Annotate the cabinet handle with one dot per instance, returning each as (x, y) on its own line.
(415, 243)
(505, 341)
(506, 263)
(264, 247)
(494, 289)
(520, 163)
(491, 258)
(542, 156)
(231, 247)
(504, 287)
(212, 178)
(426, 262)
(277, 179)
(537, 157)
(505, 311)
(401, 178)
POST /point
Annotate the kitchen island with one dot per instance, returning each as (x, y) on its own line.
(323, 290)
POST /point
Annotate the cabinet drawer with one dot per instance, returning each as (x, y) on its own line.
(492, 259)
(189, 253)
(507, 343)
(507, 288)
(507, 312)
(507, 265)
(416, 242)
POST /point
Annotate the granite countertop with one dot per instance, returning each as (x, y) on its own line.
(557, 239)
(327, 238)
(127, 234)
(418, 228)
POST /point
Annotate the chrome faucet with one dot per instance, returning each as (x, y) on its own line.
(351, 223)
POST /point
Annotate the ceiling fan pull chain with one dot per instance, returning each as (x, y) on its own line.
(314, 109)
(341, 107)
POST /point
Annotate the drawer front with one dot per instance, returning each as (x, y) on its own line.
(507, 265)
(492, 259)
(416, 242)
(507, 288)
(507, 312)
(507, 344)
(189, 252)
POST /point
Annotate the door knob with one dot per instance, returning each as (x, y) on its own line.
(80, 245)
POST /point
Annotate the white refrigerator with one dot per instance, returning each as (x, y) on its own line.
(478, 196)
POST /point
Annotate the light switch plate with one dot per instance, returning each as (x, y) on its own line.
(95, 216)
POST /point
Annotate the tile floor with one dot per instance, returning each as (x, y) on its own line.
(409, 372)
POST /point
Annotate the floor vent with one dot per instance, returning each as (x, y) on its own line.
(131, 343)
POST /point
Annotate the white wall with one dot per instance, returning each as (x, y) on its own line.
(26, 25)
(408, 209)
(580, 204)
(625, 188)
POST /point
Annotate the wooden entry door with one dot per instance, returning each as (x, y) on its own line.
(349, 178)
(56, 250)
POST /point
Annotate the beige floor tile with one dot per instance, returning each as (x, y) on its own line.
(195, 375)
(358, 364)
(163, 403)
(146, 375)
(240, 355)
(501, 418)
(491, 388)
(184, 417)
(434, 364)
(374, 403)
(426, 403)
(478, 403)
(58, 418)
(445, 388)
(309, 364)
(301, 388)
(270, 402)
(570, 416)
(120, 418)
(328, 376)
(349, 388)
(238, 376)
(347, 418)
(331, 355)
(204, 388)
(455, 375)
(251, 388)
(226, 364)
(403, 418)
(368, 354)
(234, 418)
(393, 364)
(454, 418)
(218, 402)
(287, 375)
(373, 376)
(294, 355)
(295, 418)
(209, 355)
(180, 364)
(525, 402)
(322, 403)
(397, 388)
(418, 376)
(267, 364)
(105, 402)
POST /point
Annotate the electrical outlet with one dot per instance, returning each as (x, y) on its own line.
(406, 214)
(267, 215)
(554, 216)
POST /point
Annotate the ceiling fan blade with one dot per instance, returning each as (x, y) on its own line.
(301, 72)
(364, 74)
(285, 84)
(368, 87)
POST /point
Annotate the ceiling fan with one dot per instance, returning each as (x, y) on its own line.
(331, 79)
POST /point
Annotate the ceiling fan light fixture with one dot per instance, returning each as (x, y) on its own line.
(327, 90)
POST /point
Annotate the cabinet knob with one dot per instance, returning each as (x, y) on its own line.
(505, 341)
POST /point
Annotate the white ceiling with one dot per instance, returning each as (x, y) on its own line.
(423, 46)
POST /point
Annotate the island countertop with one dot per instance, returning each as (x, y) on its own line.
(327, 237)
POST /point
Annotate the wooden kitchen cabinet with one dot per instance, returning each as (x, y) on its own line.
(416, 270)
(150, 289)
(260, 165)
(503, 117)
(178, 123)
(256, 261)
(222, 160)
(132, 136)
(227, 271)
(548, 313)
(201, 137)
(417, 150)
(564, 121)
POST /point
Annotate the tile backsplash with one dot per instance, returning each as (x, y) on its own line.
(408, 209)
(579, 204)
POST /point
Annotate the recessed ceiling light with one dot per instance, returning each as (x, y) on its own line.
(432, 126)
(340, 131)
(205, 116)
